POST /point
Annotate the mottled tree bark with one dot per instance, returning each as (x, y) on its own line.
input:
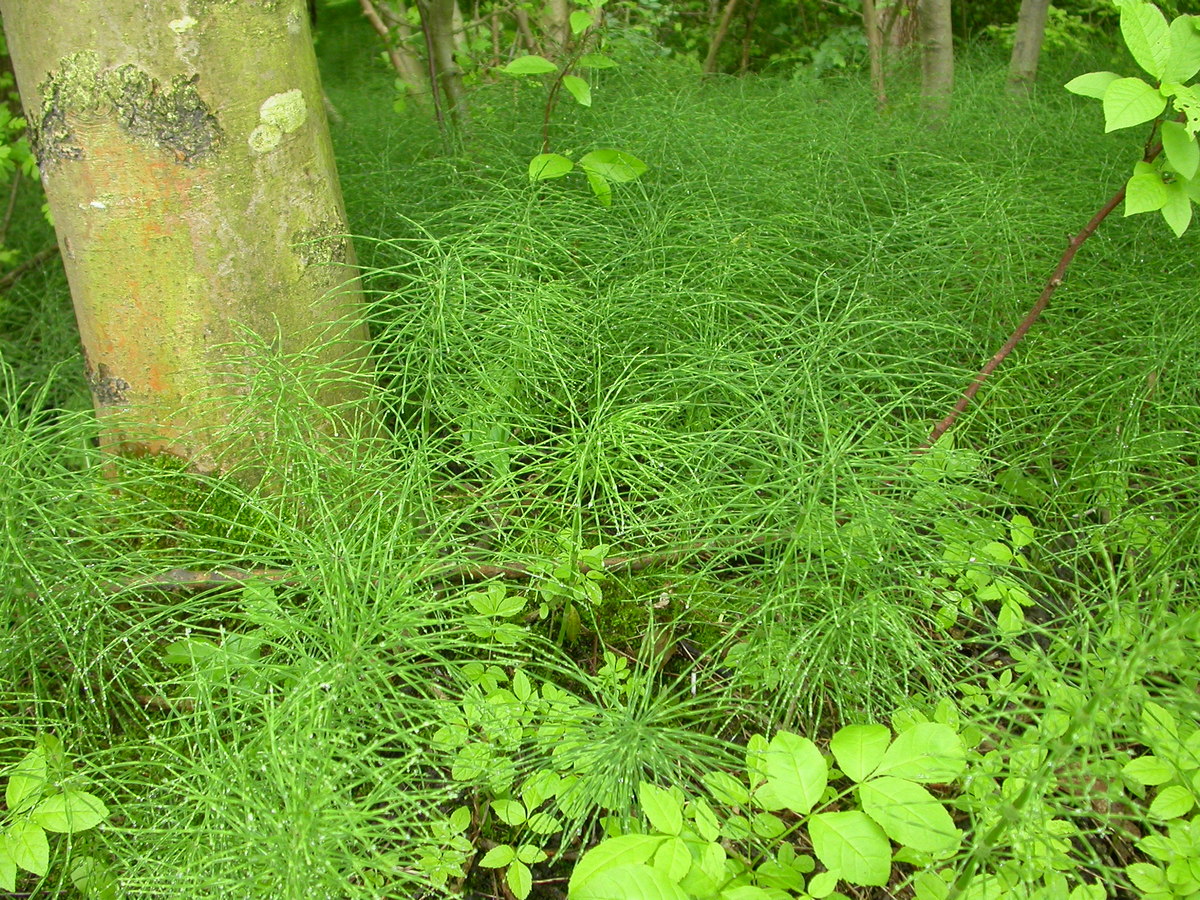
(187, 162)
(556, 26)
(437, 18)
(937, 54)
(1027, 46)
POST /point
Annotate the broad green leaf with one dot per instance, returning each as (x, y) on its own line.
(28, 847)
(70, 811)
(498, 857)
(822, 885)
(544, 822)
(927, 752)
(1146, 34)
(549, 165)
(858, 749)
(579, 89)
(704, 819)
(189, 650)
(673, 859)
(26, 781)
(530, 855)
(1148, 770)
(600, 187)
(1148, 878)
(1020, 530)
(661, 808)
(613, 165)
(1177, 211)
(8, 867)
(766, 825)
(909, 814)
(1183, 58)
(852, 846)
(1145, 191)
(1172, 802)
(1130, 101)
(746, 892)
(726, 789)
(94, 880)
(595, 61)
(580, 22)
(520, 879)
(626, 850)
(1093, 84)
(637, 882)
(1181, 148)
(930, 886)
(796, 772)
(530, 65)
(511, 812)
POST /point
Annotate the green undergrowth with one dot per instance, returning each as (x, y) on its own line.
(648, 498)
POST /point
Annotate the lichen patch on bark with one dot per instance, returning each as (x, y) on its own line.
(108, 389)
(172, 116)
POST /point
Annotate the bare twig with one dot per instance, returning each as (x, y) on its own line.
(32, 263)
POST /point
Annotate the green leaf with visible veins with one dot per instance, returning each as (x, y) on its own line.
(909, 814)
(851, 845)
(1181, 149)
(1145, 191)
(1130, 101)
(1146, 34)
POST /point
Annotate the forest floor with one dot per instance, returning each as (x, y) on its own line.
(648, 491)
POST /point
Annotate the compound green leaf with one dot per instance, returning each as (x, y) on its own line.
(858, 749)
(70, 811)
(661, 807)
(1181, 148)
(1130, 101)
(1148, 878)
(1147, 36)
(852, 846)
(498, 857)
(1172, 802)
(909, 814)
(615, 165)
(1177, 211)
(520, 880)
(1093, 84)
(1145, 191)
(26, 781)
(28, 847)
(511, 812)
(579, 89)
(530, 65)
(624, 851)
(796, 772)
(545, 166)
(1148, 770)
(673, 859)
(1183, 57)
(637, 882)
(726, 789)
(927, 752)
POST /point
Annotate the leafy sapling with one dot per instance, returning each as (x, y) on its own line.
(603, 167)
(1166, 180)
(42, 795)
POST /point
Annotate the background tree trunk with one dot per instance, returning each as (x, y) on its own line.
(937, 54)
(394, 30)
(874, 35)
(556, 26)
(437, 18)
(718, 38)
(188, 166)
(1027, 46)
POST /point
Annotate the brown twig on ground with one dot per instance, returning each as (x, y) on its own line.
(1032, 316)
(32, 263)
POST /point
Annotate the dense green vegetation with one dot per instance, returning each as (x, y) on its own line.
(709, 395)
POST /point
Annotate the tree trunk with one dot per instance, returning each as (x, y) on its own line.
(187, 163)
(556, 26)
(937, 54)
(718, 38)
(1027, 46)
(437, 18)
(396, 33)
(874, 51)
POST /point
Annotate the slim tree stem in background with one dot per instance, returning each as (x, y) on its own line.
(1027, 46)
(718, 38)
(874, 35)
(937, 53)
(437, 20)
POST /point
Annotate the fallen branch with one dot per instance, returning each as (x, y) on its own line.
(33, 262)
